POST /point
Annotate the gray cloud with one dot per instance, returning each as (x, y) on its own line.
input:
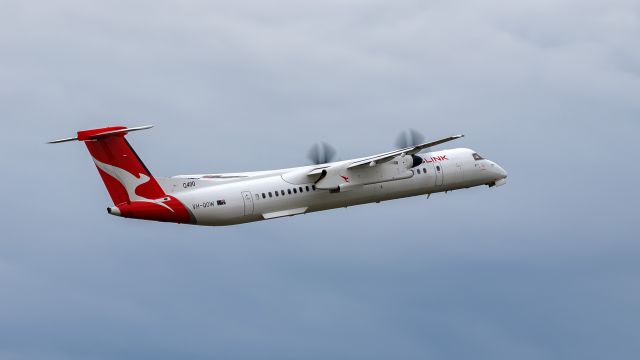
(544, 267)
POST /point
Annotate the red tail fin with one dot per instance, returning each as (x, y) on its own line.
(133, 189)
(127, 179)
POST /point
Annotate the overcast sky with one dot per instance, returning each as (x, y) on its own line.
(545, 267)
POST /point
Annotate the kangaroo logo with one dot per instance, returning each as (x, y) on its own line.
(129, 181)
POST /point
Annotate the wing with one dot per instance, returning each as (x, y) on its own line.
(349, 175)
(384, 157)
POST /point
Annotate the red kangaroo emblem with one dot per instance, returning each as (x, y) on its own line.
(345, 178)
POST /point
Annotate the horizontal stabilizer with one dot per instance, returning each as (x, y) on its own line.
(94, 134)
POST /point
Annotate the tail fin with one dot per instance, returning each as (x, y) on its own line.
(127, 179)
(133, 189)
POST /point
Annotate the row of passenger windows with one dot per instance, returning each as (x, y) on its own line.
(277, 193)
(424, 170)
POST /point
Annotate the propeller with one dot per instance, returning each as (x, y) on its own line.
(409, 138)
(321, 153)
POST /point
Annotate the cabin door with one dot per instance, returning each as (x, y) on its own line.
(248, 203)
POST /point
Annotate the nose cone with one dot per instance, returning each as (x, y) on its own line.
(502, 173)
(497, 175)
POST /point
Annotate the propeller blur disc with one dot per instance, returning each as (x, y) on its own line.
(321, 153)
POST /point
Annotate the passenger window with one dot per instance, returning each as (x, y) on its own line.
(313, 187)
(270, 194)
(282, 192)
(438, 167)
(289, 191)
(424, 170)
(307, 187)
(264, 196)
(295, 191)
(418, 170)
(276, 193)
(300, 188)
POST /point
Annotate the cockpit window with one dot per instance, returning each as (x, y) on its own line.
(477, 157)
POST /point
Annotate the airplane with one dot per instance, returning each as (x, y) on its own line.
(236, 198)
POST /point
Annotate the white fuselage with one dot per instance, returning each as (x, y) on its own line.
(226, 199)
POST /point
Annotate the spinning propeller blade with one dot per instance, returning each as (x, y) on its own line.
(321, 153)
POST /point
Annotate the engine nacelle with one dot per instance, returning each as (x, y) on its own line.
(417, 160)
(411, 161)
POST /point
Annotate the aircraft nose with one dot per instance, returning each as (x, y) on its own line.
(499, 171)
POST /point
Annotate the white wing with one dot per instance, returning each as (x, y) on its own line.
(384, 157)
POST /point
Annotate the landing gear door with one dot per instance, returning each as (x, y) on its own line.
(248, 203)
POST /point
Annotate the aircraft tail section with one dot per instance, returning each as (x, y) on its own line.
(126, 177)
(134, 191)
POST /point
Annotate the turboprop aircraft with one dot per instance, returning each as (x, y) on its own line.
(235, 198)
